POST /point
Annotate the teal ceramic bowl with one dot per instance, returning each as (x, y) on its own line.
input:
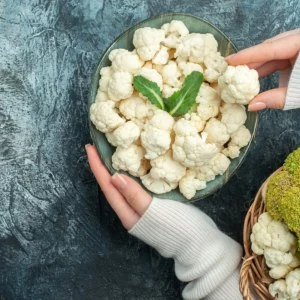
(194, 24)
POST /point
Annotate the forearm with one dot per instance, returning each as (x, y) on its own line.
(204, 256)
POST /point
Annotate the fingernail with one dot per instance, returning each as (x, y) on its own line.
(230, 56)
(119, 181)
(87, 146)
(257, 106)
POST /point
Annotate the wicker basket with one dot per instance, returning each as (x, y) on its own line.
(254, 277)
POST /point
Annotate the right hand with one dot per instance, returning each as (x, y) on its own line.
(275, 54)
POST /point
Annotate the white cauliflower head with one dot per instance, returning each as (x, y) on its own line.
(161, 57)
(158, 186)
(166, 168)
(209, 102)
(216, 166)
(238, 84)
(120, 86)
(293, 284)
(189, 148)
(171, 74)
(152, 75)
(187, 68)
(131, 159)
(147, 41)
(105, 74)
(215, 66)
(195, 46)
(124, 60)
(216, 132)
(233, 116)
(101, 96)
(124, 135)
(105, 117)
(288, 288)
(156, 136)
(168, 90)
(231, 151)
(174, 31)
(189, 184)
(135, 107)
(241, 137)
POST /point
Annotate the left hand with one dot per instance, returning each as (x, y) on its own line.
(126, 197)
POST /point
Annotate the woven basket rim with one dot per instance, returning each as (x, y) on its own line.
(254, 277)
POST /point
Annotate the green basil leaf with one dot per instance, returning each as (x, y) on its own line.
(181, 101)
(149, 89)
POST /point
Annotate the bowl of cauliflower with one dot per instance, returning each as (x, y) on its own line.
(165, 108)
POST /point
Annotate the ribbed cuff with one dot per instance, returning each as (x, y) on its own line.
(204, 256)
(292, 99)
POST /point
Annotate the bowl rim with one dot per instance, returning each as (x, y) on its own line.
(91, 99)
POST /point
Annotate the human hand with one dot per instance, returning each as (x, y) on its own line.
(275, 54)
(126, 197)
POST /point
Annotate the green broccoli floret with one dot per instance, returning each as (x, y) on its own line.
(292, 162)
(283, 194)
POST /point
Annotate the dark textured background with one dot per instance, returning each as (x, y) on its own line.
(57, 240)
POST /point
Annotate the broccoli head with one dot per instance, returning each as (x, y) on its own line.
(283, 194)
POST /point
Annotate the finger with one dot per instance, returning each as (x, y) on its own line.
(126, 214)
(270, 99)
(135, 195)
(283, 35)
(272, 66)
(272, 50)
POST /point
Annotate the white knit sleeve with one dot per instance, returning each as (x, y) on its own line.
(204, 257)
(292, 99)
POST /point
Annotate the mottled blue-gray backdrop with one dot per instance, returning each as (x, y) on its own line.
(58, 237)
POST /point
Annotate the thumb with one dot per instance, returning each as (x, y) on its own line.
(270, 99)
(134, 194)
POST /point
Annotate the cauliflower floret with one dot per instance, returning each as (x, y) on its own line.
(153, 75)
(168, 91)
(216, 132)
(157, 186)
(197, 122)
(105, 75)
(104, 116)
(241, 137)
(120, 86)
(124, 60)
(156, 136)
(209, 102)
(174, 31)
(238, 84)
(175, 27)
(135, 107)
(288, 289)
(293, 284)
(188, 67)
(147, 41)
(167, 169)
(161, 57)
(101, 96)
(217, 166)
(131, 159)
(279, 289)
(171, 74)
(274, 240)
(231, 151)
(190, 184)
(233, 116)
(195, 46)
(124, 135)
(189, 148)
(215, 66)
